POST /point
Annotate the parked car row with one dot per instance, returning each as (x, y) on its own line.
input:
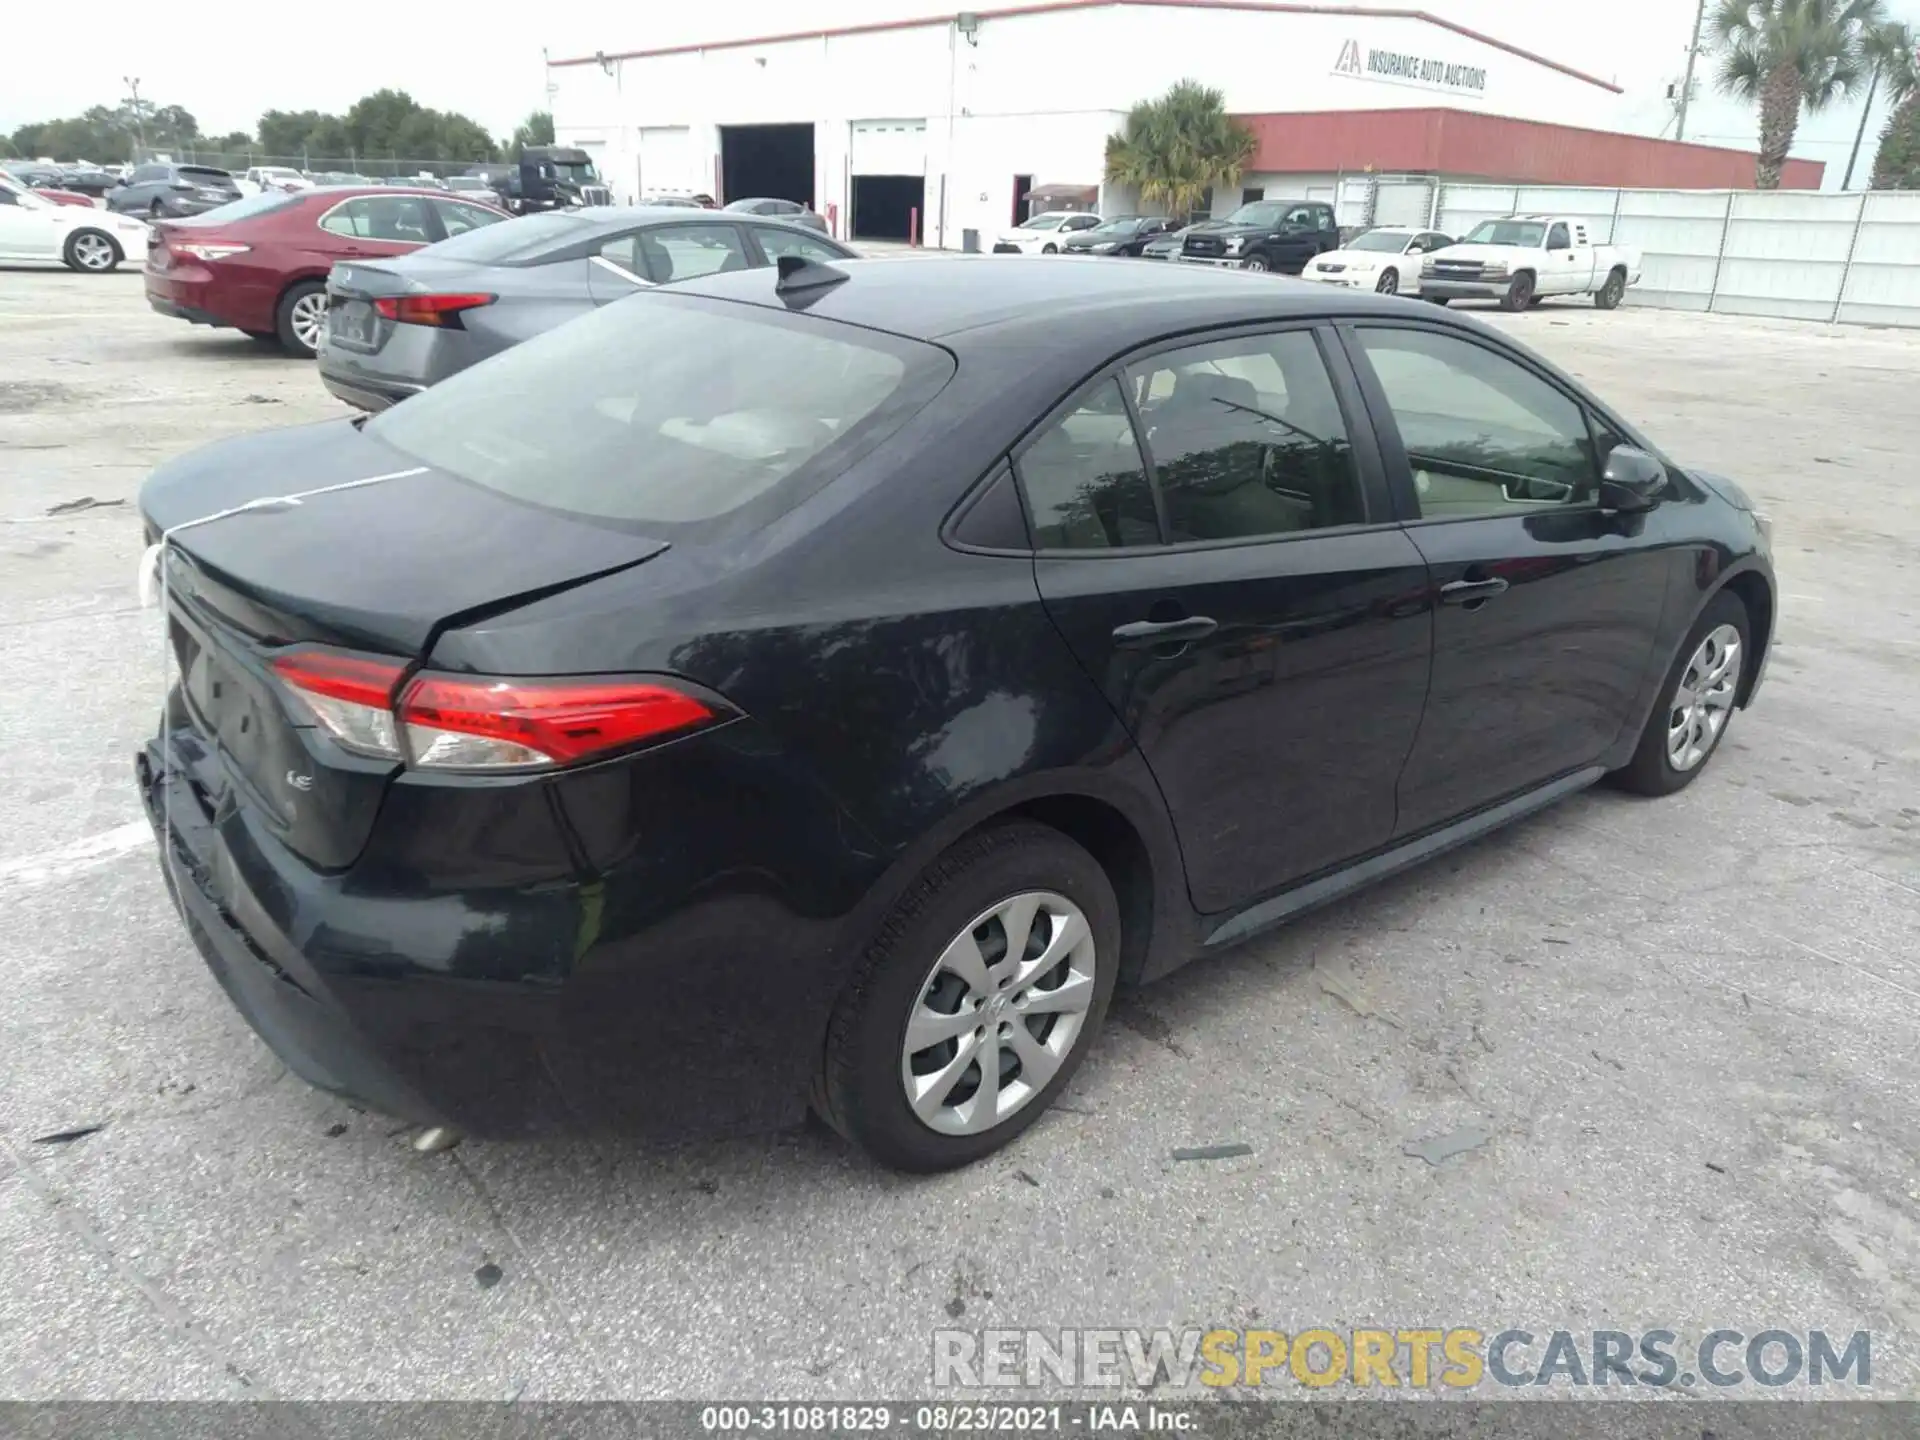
(827, 685)
(1518, 260)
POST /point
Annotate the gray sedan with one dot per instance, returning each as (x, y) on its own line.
(396, 326)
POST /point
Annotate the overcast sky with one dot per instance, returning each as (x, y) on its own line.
(487, 61)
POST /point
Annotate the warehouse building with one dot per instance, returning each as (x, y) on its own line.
(950, 127)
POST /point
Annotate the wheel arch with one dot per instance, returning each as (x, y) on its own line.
(1754, 592)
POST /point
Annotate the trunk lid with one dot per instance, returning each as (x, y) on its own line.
(379, 568)
(355, 325)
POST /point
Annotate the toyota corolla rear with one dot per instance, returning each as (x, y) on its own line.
(515, 901)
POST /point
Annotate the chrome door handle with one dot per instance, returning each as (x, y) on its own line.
(1466, 592)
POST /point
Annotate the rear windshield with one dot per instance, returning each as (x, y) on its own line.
(265, 203)
(513, 239)
(204, 175)
(670, 413)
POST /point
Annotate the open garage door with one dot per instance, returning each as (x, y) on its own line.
(767, 162)
(887, 160)
(666, 161)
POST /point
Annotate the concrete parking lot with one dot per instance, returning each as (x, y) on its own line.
(1670, 1046)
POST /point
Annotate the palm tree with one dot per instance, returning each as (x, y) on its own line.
(1888, 50)
(1894, 50)
(1786, 54)
(1173, 148)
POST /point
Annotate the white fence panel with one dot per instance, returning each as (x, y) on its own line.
(1883, 282)
(1679, 233)
(1797, 254)
(1464, 206)
(1786, 254)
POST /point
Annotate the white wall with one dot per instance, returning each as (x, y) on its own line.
(1028, 95)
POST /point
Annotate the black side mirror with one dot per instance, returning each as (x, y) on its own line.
(1632, 480)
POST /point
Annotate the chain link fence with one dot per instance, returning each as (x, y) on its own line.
(341, 168)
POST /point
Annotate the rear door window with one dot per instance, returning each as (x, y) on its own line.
(397, 219)
(671, 414)
(776, 242)
(1085, 483)
(458, 218)
(686, 252)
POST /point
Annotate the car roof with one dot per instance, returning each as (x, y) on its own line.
(1113, 305)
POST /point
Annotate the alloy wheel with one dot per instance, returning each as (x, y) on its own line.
(1255, 262)
(1389, 281)
(308, 317)
(93, 252)
(998, 1013)
(1704, 698)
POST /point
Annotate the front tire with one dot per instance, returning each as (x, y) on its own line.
(300, 317)
(1440, 300)
(1612, 292)
(92, 252)
(1049, 249)
(1256, 262)
(1389, 282)
(1696, 702)
(1519, 292)
(975, 1003)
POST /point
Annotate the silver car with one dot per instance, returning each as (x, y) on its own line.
(396, 326)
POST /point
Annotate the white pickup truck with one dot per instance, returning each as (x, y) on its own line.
(1522, 259)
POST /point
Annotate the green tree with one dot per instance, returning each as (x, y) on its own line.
(536, 129)
(1789, 55)
(1894, 51)
(1173, 148)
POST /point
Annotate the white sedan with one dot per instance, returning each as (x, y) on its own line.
(79, 237)
(1041, 234)
(1387, 260)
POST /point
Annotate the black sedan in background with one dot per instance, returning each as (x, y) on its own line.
(831, 683)
(396, 326)
(1126, 235)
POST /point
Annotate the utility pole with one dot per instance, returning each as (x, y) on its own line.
(139, 120)
(1686, 85)
(1866, 112)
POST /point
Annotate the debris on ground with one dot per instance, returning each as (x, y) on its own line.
(489, 1275)
(1439, 1148)
(84, 502)
(67, 1137)
(1213, 1152)
(1026, 1178)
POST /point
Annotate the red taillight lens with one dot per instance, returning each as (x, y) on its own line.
(442, 310)
(457, 723)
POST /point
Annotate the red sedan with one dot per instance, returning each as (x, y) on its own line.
(260, 264)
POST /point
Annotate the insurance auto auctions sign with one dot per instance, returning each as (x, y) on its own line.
(1367, 63)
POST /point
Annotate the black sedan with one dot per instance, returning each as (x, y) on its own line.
(399, 324)
(830, 683)
(1126, 235)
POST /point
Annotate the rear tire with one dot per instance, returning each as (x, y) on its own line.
(1696, 702)
(300, 316)
(1519, 292)
(1612, 292)
(951, 916)
(92, 252)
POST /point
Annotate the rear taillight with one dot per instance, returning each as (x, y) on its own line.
(458, 722)
(441, 310)
(207, 251)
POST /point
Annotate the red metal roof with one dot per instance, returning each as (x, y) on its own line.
(1463, 142)
(1043, 7)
